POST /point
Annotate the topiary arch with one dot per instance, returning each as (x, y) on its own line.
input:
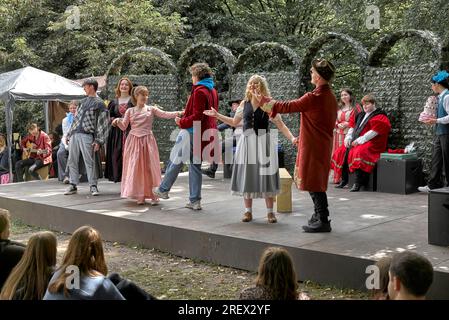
(380, 51)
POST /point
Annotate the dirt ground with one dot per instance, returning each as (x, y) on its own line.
(170, 277)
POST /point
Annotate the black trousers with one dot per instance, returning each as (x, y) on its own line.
(440, 162)
(320, 205)
(214, 166)
(361, 177)
(32, 164)
(128, 289)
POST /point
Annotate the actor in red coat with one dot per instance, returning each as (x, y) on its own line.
(195, 141)
(36, 152)
(364, 142)
(318, 111)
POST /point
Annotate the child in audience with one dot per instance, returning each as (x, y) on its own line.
(85, 251)
(29, 279)
(10, 252)
(276, 278)
(410, 276)
(381, 293)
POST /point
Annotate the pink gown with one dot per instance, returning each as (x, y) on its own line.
(141, 165)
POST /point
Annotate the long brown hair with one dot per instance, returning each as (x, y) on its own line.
(32, 274)
(382, 292)
(351, 95)
(85, 250)
(118, 93)
(277, 274)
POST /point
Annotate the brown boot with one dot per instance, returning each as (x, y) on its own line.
(247, 217)
(271, 218)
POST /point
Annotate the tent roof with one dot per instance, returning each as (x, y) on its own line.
(33, 84)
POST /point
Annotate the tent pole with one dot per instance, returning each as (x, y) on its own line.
(8, 117)
(46, 111)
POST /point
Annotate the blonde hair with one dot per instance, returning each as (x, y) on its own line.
(32, 274)
(277, 274)
(259, 81)
(5, 220)
(85, 250)
(118, 93)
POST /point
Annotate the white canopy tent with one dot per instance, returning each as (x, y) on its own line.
(31, 84)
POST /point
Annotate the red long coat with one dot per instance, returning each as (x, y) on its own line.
(318, 114)
(201, 98)
(42, 142)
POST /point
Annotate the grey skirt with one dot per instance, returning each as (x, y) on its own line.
(255, 172)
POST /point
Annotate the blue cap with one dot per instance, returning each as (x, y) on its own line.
(440, 76)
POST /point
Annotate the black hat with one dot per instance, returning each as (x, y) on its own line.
(230, 102)
(324, 68)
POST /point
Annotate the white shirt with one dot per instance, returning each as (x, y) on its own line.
(366, 137)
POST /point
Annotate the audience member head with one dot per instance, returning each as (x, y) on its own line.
(410, 276)
(277, 274)
(2, 142)
(5, 224)
(29, 279)
(85, 251)
(73, 105)
(382, 292)
(123, 88)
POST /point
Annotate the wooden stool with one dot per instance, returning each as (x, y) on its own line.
(284, 199)
(42, 172)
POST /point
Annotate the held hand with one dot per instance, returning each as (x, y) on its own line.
(430, 121)
(96, 146)
(178, 121)
(295, 141)
(181, 113)
(355, 143)
(211, 113)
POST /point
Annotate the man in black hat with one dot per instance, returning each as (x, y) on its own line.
(88, 132)
(210, 172)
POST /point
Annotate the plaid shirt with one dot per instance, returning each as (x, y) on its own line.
(91, 108)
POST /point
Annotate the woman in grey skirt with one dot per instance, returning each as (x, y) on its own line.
(256, 170)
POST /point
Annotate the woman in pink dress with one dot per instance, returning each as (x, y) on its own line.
(348, 108)
(141, 166)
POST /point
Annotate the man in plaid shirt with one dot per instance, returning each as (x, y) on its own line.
(88, 132)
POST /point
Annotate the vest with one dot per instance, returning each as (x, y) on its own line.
(442, 129)
(254, 119)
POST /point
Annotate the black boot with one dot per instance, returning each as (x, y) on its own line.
(318, 226)
(342, 184)
(355, 187)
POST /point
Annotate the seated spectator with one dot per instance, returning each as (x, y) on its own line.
(363, 144)
(410, 276)
(85, 251)
(276, 278)
(4, 160)
(29, 279)
(381, 293)
(10, 252)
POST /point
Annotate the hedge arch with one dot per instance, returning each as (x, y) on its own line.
(117, 63)
(380, 51)
(445, 55)
(243, 58)
(185, 60)
(359, 49)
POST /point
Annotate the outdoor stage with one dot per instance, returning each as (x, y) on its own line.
(366, 226)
